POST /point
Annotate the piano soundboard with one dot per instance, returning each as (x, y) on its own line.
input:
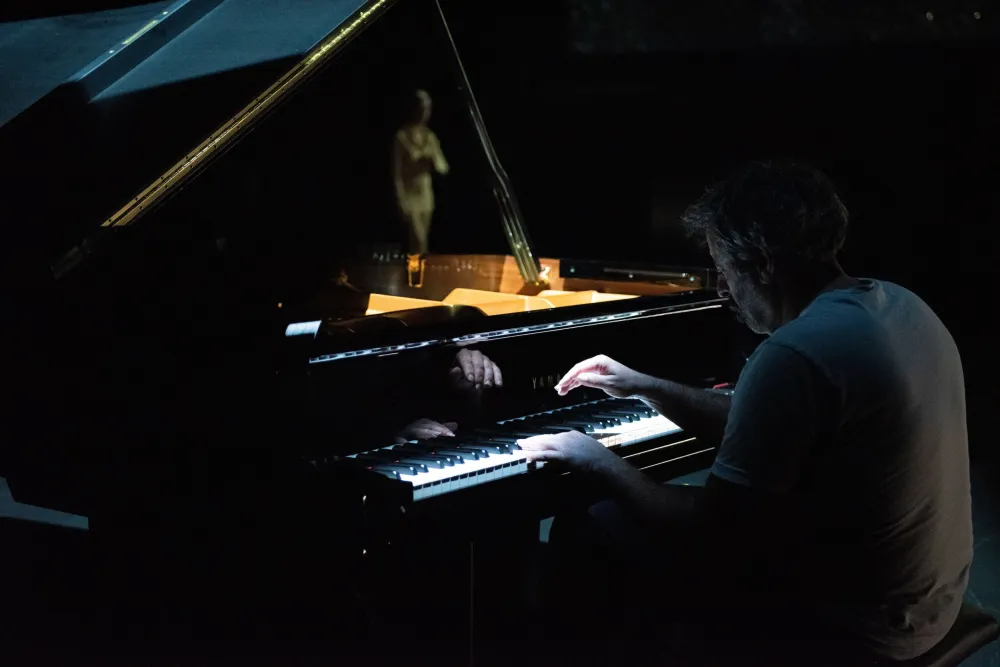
(445, 465)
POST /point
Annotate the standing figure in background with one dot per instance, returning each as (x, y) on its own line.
(416, 152)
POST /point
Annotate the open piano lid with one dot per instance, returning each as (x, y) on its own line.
(296, 189)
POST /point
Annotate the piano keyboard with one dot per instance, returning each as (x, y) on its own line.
(440, 466)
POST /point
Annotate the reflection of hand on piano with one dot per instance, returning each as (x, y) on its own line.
(473, 370)
(601, 372)
(425, 429)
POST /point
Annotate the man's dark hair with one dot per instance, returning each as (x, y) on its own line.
(786, 208)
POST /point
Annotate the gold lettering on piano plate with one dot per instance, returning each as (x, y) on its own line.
(545, 381)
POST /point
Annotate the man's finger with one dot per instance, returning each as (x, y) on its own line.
(497, 376)
(464, 359)
(537, 442)
(478, 365)
(588, 365)
(544, 455)
(563, 389)
(451, 426)
(488, 379)
(594, 380)
(574, 383)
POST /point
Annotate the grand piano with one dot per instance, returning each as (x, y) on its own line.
(242, 339)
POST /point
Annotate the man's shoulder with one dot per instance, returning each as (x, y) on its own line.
(840, 318)
(858, 329)
(812, 338)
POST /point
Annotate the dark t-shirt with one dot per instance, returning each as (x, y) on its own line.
(854, 412)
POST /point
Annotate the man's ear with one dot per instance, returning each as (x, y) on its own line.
(765, 268)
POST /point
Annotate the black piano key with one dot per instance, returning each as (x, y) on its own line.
(404, 468)
(595, 415)
(624, 404)
(452, 458)
(562, 428)
(530, 422)
(388, 472)
(460, 454)
(471, 446)
(617, 419)
(630, 415)
(558, 418)
(424, 462)
(393, 456)
(580, 410)
(493, 447)
(513, 435)
(439, 460)
(548, 425)
(573, 424)
(590, 419)
(528, 430)
(497, 435)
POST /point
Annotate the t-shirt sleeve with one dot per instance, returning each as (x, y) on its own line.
(774, 422)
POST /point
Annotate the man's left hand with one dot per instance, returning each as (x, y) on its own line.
(572, 448)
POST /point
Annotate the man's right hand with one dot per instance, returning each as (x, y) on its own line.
(604, 373)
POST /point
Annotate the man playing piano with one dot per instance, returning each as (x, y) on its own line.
(836, 521)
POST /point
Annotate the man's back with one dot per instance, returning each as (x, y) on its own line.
(879, 479)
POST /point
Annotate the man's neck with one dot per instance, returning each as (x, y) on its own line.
(805, 288)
